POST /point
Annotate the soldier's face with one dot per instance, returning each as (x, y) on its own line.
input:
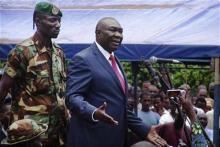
(49, 26)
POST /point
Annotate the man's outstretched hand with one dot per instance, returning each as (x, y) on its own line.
(154, 138)
(101, 115)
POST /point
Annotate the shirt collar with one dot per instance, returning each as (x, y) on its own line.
(41, 44)
(103, 51)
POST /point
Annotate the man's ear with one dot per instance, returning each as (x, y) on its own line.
(37, 20)
(97, 32)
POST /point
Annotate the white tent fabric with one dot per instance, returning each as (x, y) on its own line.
(162, 28)
(144, 22)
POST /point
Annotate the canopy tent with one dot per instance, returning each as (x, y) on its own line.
(181, 29)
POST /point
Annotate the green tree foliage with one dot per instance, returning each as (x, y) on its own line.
(2, 64)
(193, 75)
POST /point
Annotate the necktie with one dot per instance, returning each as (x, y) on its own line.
(114, 67)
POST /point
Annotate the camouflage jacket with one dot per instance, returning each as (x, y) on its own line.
(40, 75)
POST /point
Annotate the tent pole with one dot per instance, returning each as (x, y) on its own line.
(216, 102)
(135, 68)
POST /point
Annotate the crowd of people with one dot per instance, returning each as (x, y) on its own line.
(90, 104)
(154, 109)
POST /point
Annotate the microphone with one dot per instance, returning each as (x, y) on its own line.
(152, 72)
(154, 59)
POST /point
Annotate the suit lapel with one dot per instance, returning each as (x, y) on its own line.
(105, 64)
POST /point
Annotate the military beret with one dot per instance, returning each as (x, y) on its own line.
(47, 8)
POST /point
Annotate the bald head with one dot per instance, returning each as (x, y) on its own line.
(109, 33)
(105, 21)
(202, 93)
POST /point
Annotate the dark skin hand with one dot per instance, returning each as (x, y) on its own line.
(188, 107)
(100, 114)
(154, 138)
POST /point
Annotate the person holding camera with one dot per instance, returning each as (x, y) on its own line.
(176, 133)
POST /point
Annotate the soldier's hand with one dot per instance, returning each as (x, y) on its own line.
(100, 114)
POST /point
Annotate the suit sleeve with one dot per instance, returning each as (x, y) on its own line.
(137, 125)
(78, 83)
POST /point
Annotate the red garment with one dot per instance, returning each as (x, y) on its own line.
(169, 133)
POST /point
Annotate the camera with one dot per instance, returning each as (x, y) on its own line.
(174, 95)
(174, 92)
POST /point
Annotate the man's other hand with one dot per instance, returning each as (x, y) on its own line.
(100, 114)
(154, 138)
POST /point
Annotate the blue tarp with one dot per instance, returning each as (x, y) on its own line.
(180, 29)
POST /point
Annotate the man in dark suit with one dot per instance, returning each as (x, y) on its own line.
(96, 94)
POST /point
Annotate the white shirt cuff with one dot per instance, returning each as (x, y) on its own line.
(93, 119)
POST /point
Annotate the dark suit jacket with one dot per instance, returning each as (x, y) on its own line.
(91, 82)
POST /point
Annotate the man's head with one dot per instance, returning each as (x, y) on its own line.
(153, 90)
(145, 85)
(185, 87)
(47, 18)
(109, 33)
(138, 91)
(203, 119)
(209, 104)
(145, 100)
(202, 93)
(157, 101)
(202, 86)
(166, 103)
(201, 103)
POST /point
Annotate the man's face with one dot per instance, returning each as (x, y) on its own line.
(201, 104)
(166, 103)
(110, 35)
(49, 25)
(202, 93)
(146, 85)
(157, 103)
(153, 90)
(203, 120)
(146, 102)
(131, 102)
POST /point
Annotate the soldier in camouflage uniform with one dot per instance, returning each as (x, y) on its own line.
(35, 73)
